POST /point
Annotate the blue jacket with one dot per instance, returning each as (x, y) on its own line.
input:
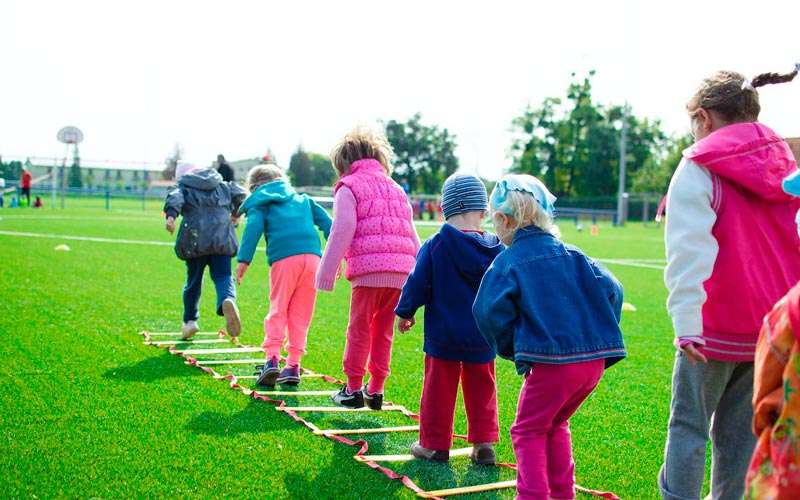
(286, 218)
(446, 278)
(542, 301)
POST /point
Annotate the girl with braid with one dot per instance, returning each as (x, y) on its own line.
(729, 259)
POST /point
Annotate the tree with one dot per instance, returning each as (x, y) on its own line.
(424, 154)
(655, 175)
(323, 173)
(300, 168)
(75, 179)
(11, 170)
(171, 162)
(573, 145)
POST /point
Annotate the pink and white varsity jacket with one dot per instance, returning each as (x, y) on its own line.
(732, 250)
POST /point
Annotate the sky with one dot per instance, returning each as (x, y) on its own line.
(238, 77)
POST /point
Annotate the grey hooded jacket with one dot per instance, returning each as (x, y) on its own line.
(206, 204)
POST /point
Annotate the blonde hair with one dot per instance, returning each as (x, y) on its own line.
(262, 174)
(732, 96)
(526, 211)
(359, 144)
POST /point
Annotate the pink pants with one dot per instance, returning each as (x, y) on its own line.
(292, 295)
(438, 402)
(540, 434)
(369, 336)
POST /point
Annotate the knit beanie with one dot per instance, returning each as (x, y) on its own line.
(463, 193)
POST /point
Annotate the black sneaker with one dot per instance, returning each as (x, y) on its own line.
(483, 454)
(348, 399)
(374, 401)
(269, 373)
(290, 375)
(431, 455)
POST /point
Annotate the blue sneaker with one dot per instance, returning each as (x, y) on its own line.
(269, 373)
(290, 375)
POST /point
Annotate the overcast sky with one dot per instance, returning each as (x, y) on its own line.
(238, 77)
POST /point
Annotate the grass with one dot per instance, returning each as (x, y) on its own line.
(88, 411)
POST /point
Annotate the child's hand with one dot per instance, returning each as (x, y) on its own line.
(404, 325)
(693, 354)
(170, 225)
(241, 268)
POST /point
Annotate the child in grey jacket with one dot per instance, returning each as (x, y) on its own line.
(206, 238)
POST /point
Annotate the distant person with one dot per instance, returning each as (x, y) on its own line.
(25, 184)
(555, 313)
(373, 231)
(206, 238)
(2, 191)
(38, 202)
(290, 223)
(729, 260)
(421, 208)
(224, 169)
(14, 202)
(445, 280)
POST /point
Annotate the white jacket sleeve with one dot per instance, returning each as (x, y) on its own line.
(691, 247)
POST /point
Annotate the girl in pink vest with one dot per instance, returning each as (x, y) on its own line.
(374, 233)
(729, 258)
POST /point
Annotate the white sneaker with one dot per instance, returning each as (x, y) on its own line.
(189, 329)
(233, 325)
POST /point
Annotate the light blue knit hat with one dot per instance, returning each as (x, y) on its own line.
(463, 193)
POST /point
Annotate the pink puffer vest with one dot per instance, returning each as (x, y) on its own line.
(759, 250)
(384, 241)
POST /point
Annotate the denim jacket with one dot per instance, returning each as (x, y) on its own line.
(542, 301)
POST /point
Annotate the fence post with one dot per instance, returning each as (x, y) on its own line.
(108, 199)
(144, 197)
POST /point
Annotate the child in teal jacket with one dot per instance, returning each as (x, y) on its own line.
(287, 220)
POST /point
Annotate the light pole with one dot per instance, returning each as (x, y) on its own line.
(622, 159)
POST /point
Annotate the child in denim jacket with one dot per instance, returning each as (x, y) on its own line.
(555, 313)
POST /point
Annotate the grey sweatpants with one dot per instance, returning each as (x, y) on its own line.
(720, 394)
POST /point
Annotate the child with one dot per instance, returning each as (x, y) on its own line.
(287, 220)
(445, 280)
(206, 238)
(729, 259)
(373, 231)
(775, 467)
(555, 313)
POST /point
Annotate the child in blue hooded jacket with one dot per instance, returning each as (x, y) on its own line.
(287, 220)
(445, 281)
(555, 313)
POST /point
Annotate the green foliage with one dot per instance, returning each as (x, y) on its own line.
(74, 178)
(300, 168)
(11, 170)
(655, 175)
(310, 169)
(425, 155)
(573, 145)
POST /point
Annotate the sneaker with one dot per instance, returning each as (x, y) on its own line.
(432, 455)
(189, 329)
(233, 325)
(269, 373)
(348, 399)
(374, 401)
(290, 375)
(483, 454)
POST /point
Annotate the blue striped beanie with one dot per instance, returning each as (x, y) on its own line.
(463, 193)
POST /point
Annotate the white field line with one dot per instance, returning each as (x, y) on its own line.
(641, 263)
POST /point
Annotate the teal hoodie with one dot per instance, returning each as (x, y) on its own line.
(286, 219)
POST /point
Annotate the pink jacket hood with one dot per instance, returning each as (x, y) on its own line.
(749, 155)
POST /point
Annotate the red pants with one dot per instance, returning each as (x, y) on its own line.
(369, 336)
(438, 402)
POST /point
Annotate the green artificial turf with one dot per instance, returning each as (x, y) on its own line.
(89, 411)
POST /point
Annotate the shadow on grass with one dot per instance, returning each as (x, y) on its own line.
(152, 369)
(255, 418)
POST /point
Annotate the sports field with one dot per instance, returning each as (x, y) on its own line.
(89, 411)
